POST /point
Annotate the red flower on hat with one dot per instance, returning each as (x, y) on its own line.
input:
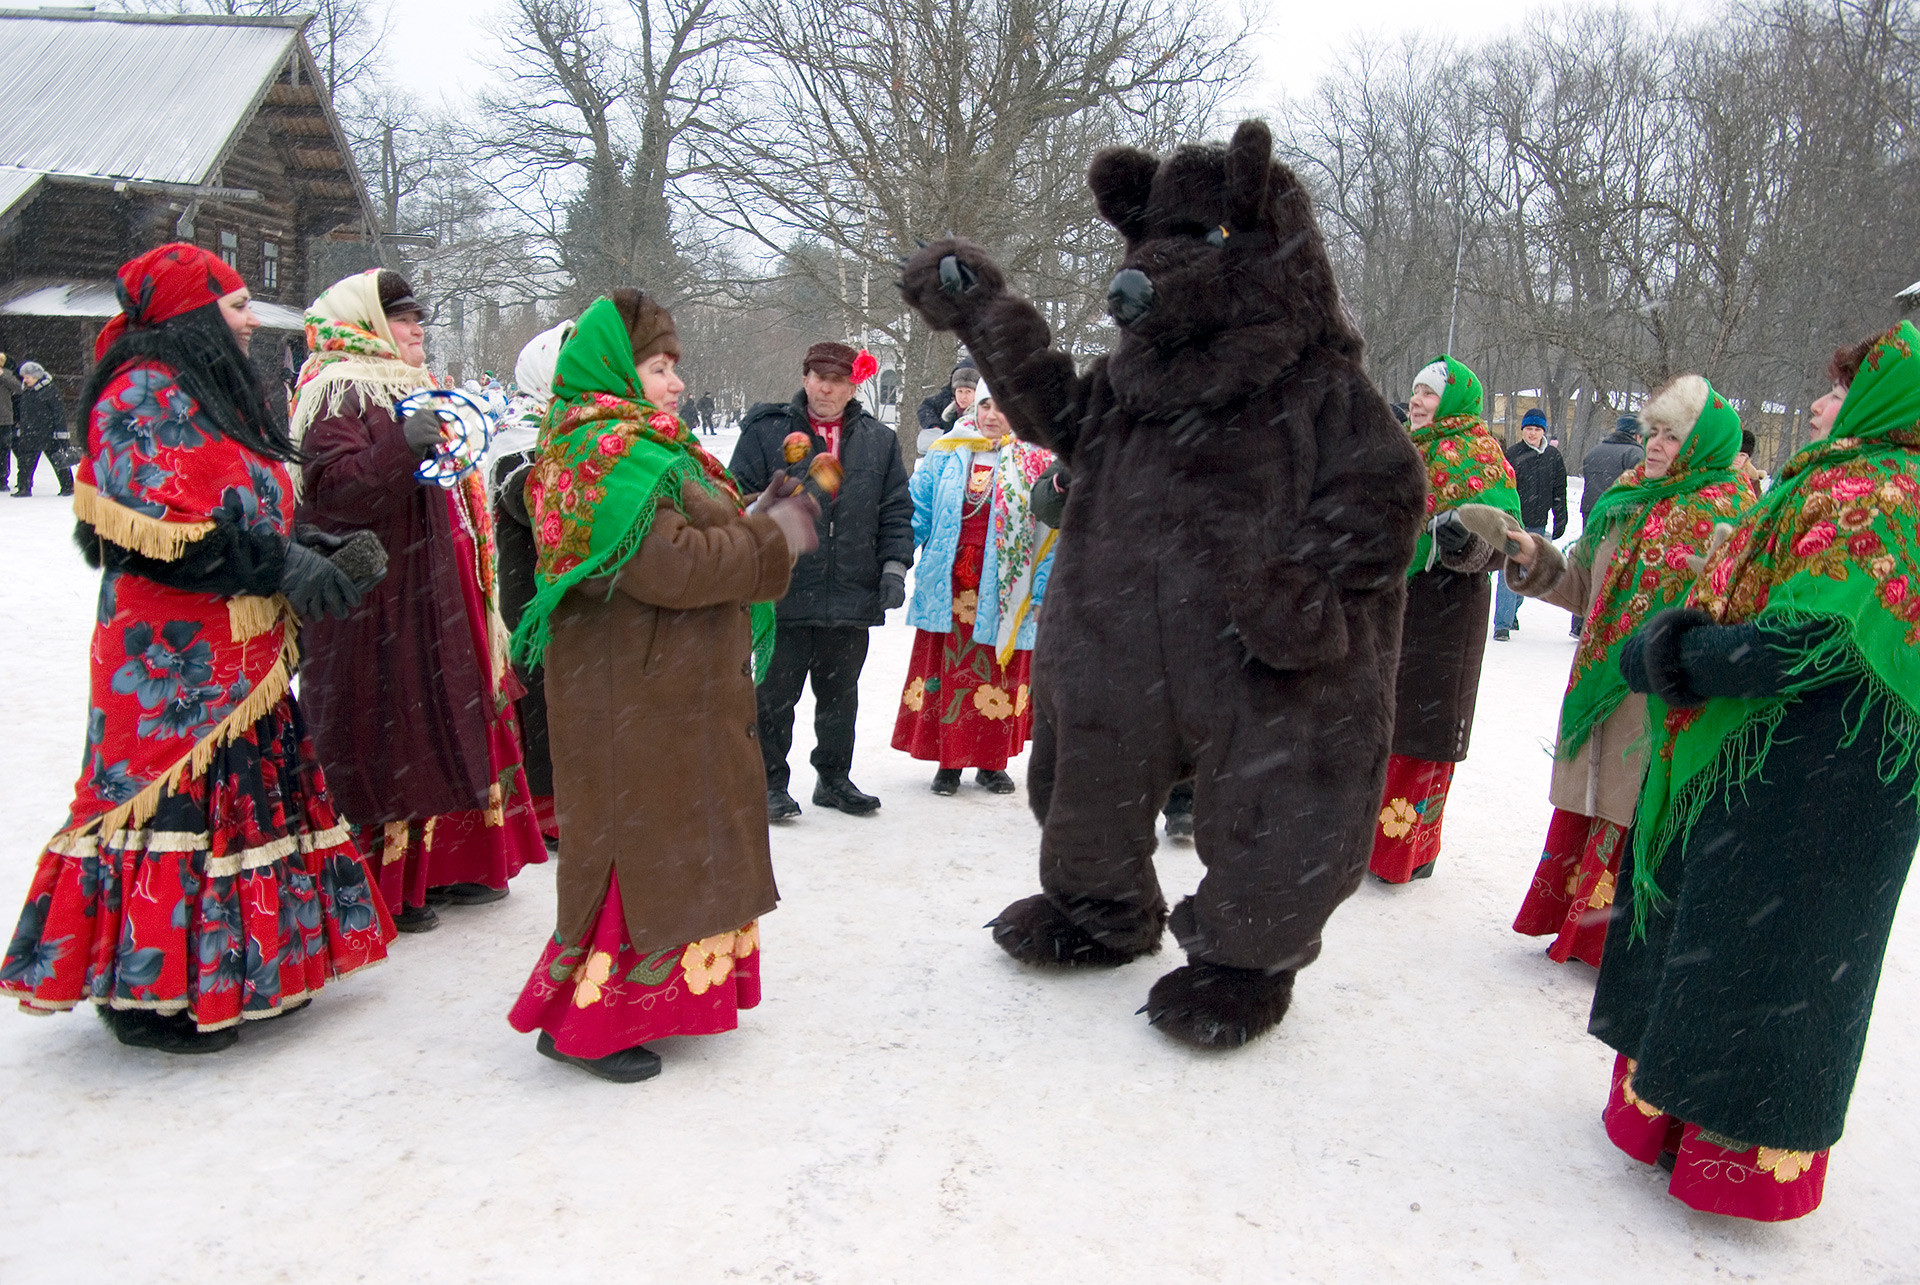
(864, 367)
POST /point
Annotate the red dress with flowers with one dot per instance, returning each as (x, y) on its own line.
(961, 707)
(201, 867)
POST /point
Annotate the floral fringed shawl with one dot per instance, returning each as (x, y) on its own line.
(1465, 464)
(1836, 540)
(1021, 545)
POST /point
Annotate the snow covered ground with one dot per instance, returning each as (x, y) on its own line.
(907, 1103)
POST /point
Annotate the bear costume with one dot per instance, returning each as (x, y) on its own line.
(1227, 588)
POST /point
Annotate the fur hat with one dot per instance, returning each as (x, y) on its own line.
(396, 295)
(1627, 424)
(1534, 418)
(32, 370)
(1676, 405)
(1748, 441)
(1434, 377)
(648, 324)
(965, 377)
(829, 358)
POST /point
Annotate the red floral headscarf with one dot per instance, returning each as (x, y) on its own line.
(162, 284)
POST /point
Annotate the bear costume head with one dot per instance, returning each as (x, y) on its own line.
(1226, 282)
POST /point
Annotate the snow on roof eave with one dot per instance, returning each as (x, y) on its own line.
(1911, 292)
(296, 20)
(16, 185)
(98, 300)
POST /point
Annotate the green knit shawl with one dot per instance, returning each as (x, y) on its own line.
(1662, 521)
(1836, 540)
(608, 457)
(1465, 464)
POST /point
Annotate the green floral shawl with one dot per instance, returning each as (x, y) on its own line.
(1837, 539)
(607, 458)
(1663, 522)
(1465, 464)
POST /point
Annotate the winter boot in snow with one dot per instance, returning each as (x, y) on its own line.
(995, 782)
(838, 792)
(169, 1032)
(1179, 811)
(947, 781)
(464, 894)
(1211, 1006)
(780, 806)
(628, 1066)
(416, 919)
(1035, 931)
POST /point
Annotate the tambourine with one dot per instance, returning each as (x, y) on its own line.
(467, 422)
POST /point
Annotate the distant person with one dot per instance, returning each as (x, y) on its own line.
(1540, 475)
(708, 424)
(1611, 456)
(843, 588)
(1751, 477)
(41, 428)
(9, 394)
(938, 411)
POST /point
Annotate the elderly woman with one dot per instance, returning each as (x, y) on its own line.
(1642, 545)
(976, 593)
(1778, 821)
(201, 879)
(1444, 634)
(41, 429)
(654, 617)
(411, 695)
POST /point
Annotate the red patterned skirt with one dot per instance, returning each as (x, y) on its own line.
(960, 706)
(603, 996)
(1572, 892)
(243, 895)
(1406, 834)
(1765, 1184)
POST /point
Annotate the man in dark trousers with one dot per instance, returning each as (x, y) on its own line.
(840, 590)
(1541, 476)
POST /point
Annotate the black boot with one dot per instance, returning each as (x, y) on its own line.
(838, 792)
(947, 781)
(1035, 931)
(1212, 1006)
(628, 1066)
(416, 919)
(1180, 814)
(170, 1033)
(995, 782)
(464, 894)
(780, 806)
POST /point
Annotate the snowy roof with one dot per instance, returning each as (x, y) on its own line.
(98, 299)
(126, 96)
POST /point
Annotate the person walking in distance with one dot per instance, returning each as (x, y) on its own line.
(1540, 475)
(843, 588)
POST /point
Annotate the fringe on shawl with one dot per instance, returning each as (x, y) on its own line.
(378, 381)
(1743, 756)
(154, 537)
(249, 616)
(137, 811)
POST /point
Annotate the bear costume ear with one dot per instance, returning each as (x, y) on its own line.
(1249, 170)
(1122, 179)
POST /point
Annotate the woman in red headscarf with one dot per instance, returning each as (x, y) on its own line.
(201, 878)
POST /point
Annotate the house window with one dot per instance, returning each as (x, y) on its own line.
(269, 265)
(230, 249)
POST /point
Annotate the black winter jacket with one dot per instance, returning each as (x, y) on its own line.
(1616, 453)
(868, 524)
(933, 410)
(43, 419)
(1542, 479)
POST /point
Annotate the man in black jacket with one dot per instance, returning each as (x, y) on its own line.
(840, 590)
(1540, 474)
(1613, 455)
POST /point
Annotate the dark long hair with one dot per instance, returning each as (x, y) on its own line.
(206, 360)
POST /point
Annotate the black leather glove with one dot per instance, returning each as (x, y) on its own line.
(422, 428)
(315, 586)
(893, 585)
(314, 538)
(1655, 655)
(1450, 533)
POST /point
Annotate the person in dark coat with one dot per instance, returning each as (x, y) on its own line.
(9, 393)
(1227, 587)
(708, 421)
(1778, 822)
(1611, 456)
(41, 427)
(1540, 475)
(410, 697)
(841, 589)
(958, 394)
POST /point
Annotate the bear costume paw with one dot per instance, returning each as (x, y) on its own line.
(1034, 931)
(1212, 1006)
(948, 280)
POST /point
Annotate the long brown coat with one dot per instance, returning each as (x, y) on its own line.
(1442, 641)
(1604, 778)
(656, 769)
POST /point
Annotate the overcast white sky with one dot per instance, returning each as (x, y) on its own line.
(439, 45)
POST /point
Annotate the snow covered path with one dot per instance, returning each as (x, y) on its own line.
(907, 1104)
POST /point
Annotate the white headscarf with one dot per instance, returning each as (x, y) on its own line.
(1434, 377)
